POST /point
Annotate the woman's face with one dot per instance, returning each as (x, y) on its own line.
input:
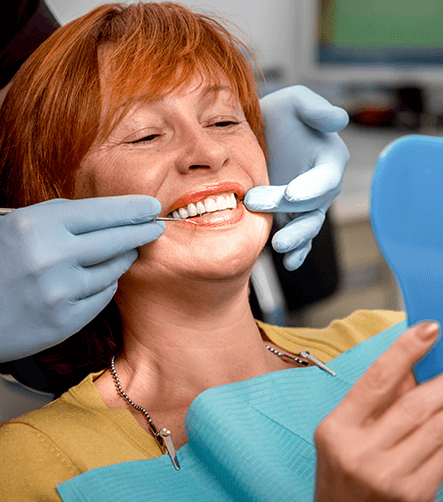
(191, 149)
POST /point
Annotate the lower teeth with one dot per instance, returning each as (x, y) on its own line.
(204, 214)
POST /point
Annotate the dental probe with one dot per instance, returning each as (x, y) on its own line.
(7, 210)
(175, 219)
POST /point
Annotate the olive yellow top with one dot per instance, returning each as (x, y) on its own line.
(78, 432)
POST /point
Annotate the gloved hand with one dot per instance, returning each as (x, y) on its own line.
(60, 262)
(307, 160)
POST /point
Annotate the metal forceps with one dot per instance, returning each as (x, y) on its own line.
(7, 210)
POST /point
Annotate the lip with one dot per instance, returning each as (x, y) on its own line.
(206, 191)
(235, 215)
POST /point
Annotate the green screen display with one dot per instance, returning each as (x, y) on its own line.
(381, 30)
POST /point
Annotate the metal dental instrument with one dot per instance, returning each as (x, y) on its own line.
(6, 210)
(317, 362)
(175, 219)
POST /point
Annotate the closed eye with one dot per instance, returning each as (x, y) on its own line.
(145, 139)
(225, 123)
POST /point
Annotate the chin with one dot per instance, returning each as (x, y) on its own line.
(215, 254)
(225, 264)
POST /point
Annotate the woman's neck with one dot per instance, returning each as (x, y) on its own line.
(178, 345)
(181, 343)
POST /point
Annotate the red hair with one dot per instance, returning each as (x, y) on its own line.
(51, 118)
(51, 115)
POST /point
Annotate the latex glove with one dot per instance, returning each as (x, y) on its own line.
(307, 160)
(60, 262)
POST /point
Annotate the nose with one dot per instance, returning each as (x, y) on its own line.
(200, 148)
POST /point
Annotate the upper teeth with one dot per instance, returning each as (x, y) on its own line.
(209, 205)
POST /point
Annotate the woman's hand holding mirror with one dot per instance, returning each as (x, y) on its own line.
(384, 441)
(60, 263)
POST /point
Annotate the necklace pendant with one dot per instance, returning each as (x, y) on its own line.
(165, 434)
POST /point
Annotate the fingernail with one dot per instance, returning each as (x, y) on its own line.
(428, 330)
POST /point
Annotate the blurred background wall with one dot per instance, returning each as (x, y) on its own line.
(270, 24)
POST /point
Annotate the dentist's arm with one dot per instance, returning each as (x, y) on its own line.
(60, 262)
(307, 160)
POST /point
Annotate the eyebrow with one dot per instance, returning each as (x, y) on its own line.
(212, 89)
(208, 90)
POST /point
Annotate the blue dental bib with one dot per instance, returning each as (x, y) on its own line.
(248, 441)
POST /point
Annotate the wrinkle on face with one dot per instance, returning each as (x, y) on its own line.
(117, 166)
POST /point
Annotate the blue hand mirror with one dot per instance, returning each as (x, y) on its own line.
(407, 220)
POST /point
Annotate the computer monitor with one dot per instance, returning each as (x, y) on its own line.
(371, 41)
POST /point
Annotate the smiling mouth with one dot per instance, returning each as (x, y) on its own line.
(211, 204)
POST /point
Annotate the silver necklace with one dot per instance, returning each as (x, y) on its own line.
(287, 356)
(163, 436)
(307, 355)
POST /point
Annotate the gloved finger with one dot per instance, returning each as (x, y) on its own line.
(87, 309)
(272, 199)
(318, 113)
(50, 201)
(96, 247)
(87, 215)
(268, 199)
(99, 277)
(324, 178)
(320, 196)
(312, 189)
(294, 259)
(296, 233)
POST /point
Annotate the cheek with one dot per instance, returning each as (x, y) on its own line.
(263, 176)
(84, 185)
(113, 175)
(97, 176)
(253, 159)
